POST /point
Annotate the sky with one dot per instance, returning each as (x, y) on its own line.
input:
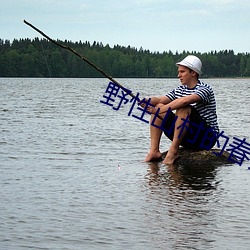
(155, 25)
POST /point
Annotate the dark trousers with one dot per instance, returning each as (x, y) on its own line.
(199, 135)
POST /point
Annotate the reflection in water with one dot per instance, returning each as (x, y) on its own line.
(191, 176)
(183, 195)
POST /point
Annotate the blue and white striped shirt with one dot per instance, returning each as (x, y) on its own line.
(206, 108)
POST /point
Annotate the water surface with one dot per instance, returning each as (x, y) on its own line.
(72, 176)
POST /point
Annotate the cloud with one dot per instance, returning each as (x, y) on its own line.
(225, 5)
(84, 6)
(149, 2)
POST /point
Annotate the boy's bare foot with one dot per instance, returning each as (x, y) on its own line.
(170, 157)
(153, 156)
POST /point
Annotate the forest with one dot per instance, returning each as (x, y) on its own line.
(41, 58)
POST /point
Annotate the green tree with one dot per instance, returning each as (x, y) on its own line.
(247, 69)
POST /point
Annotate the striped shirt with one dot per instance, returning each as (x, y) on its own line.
(206, 108)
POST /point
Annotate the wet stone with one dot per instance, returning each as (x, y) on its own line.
(203, 157)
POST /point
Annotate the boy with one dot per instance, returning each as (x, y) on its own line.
(193, 100)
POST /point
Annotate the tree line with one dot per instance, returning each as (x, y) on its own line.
(41, 58)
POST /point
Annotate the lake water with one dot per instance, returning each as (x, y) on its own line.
(72, 174)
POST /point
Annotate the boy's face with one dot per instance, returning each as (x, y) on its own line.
(185, 75)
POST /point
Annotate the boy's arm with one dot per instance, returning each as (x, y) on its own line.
(180, 102)
(161, 99)
(176, 104)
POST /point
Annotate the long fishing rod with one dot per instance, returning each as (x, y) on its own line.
(84, 59)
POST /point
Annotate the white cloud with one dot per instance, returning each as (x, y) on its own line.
(221, 2)
(149, 2)
(84, 6)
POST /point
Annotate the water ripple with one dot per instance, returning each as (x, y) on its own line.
(72, 174)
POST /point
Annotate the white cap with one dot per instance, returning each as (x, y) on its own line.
(191, 62)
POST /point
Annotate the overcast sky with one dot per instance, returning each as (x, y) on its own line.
(157, 25)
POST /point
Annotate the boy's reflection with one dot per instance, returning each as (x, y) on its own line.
(182, 196)
(183, 176)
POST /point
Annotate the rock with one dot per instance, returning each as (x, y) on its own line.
(202, 157)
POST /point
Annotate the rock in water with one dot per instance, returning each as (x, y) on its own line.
(202, 157)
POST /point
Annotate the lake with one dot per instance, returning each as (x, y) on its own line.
(72, 174)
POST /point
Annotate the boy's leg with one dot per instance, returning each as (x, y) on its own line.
(173, 151)
(155, 137)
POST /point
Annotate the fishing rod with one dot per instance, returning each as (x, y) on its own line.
(84, 59)
(81, 56)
